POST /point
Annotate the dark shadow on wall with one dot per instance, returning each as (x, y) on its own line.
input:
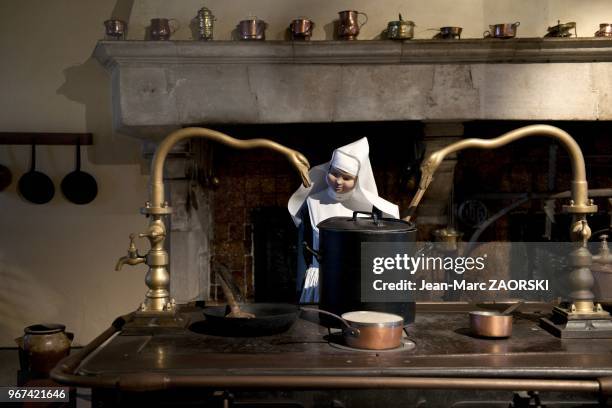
(122, 10)
(89, 85)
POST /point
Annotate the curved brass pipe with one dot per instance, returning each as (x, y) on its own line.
(581, 279)
(157, 299)
(580, 202)
(157, 166)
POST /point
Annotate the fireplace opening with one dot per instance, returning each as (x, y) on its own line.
(252, 232)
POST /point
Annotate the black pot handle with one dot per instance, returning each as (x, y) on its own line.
(376, 215)
(314, 253)
(360, 212)
(348, 329)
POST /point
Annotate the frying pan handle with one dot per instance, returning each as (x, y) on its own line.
(348, 329)
(33, 162)
(227, 292)
(78, 155)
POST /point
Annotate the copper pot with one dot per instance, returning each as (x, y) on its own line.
(349, 25)
(492, 324)
(252, 29)
(502, 30)
(162, 28)
(301, 28)
(115, 29)
(369, 330)
(605, 30)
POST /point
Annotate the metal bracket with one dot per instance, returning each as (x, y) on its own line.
(569, 324)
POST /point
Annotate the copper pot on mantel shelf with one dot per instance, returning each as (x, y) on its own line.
(252, 29)
(506, 30)
(349, 25)
(605, 30)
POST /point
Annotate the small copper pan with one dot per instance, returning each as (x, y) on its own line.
(493, 324)
(368, 329)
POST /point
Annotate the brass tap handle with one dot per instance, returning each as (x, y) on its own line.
(132, 250)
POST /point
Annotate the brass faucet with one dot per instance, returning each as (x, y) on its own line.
(132, 257)
(581, 278)
(157, 299)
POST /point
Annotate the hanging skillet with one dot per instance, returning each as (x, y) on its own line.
(6, 177)
(34, 186)
(79, 187)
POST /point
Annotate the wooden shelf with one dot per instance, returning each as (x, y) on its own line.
(44, 138)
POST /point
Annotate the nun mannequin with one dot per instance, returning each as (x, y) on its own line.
(339, 187)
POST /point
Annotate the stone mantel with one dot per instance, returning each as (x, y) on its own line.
(160, 86)
(520, 50)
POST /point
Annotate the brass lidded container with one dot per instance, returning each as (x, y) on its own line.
(400, 29)
(206, 21)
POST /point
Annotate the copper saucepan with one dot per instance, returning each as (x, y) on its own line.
(502, 30)
(492, 324)
(368, 329)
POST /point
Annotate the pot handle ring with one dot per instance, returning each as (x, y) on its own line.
(314, 253)
(350, 330)
(518, 23)
(486, 34)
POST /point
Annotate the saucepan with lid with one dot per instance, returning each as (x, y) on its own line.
(340, 238)
(367, 329)
(562, 30)
(400, 29)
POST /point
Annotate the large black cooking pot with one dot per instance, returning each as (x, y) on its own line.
(340, 240)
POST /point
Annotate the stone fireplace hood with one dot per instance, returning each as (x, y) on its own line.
(160, 86)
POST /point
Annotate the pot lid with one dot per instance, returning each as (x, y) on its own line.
(365, 224)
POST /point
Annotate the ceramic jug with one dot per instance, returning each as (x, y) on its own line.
(42, 346)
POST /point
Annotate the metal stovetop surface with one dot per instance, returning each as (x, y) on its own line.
(444, 347)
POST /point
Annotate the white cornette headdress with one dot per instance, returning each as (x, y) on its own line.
(365, 191)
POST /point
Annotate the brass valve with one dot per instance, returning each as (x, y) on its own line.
(603, 256)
